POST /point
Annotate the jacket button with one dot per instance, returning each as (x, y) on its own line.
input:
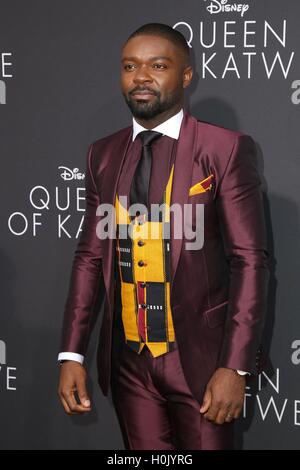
(141, 263)
(143, 284)
(141, 243)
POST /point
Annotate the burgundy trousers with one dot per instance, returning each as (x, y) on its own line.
(155, 407)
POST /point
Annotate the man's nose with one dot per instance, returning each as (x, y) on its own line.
(142, 75)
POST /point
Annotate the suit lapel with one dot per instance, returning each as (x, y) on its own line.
(183, 169)
(116, 154)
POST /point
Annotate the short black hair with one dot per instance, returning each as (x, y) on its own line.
(165, 31)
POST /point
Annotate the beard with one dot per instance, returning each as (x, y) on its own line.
(146, 109)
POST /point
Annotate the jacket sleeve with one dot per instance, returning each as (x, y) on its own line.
(86, 275)
(241, 214)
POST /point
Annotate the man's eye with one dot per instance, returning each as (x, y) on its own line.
(159, 66)
(128, 66)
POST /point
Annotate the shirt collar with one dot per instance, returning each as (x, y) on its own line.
(170, 127)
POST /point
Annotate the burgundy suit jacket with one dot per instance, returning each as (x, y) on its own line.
(218, 292)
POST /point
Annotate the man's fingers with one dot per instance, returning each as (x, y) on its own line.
(72, 388)
(212, 413)
(72, 403)
(227, 414)
(83, 395)
(224, 415)
(229, 417)
(66, 406)
(206, 402)
(237, 412)
(70, 400)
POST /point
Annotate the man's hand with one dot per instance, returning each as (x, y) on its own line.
(224, 396)
(73, 379)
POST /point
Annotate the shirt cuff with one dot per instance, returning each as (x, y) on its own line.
(69, 356)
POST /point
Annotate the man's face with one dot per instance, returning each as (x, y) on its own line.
(153, 76)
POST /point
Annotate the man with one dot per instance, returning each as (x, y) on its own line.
(182, 317)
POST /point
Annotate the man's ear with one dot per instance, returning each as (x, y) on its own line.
(187, 76)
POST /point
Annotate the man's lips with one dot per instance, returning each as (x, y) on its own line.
(143, 94)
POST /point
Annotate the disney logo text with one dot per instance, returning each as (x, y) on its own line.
(217, 6)
(68, 174)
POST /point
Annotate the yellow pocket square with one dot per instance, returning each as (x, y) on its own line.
(202, 186)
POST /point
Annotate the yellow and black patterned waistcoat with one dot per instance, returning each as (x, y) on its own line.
(143, 277)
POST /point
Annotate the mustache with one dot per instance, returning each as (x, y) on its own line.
(139, 90)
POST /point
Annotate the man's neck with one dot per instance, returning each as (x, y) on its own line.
(160, 118)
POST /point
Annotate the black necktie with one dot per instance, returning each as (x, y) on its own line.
(141, 179)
